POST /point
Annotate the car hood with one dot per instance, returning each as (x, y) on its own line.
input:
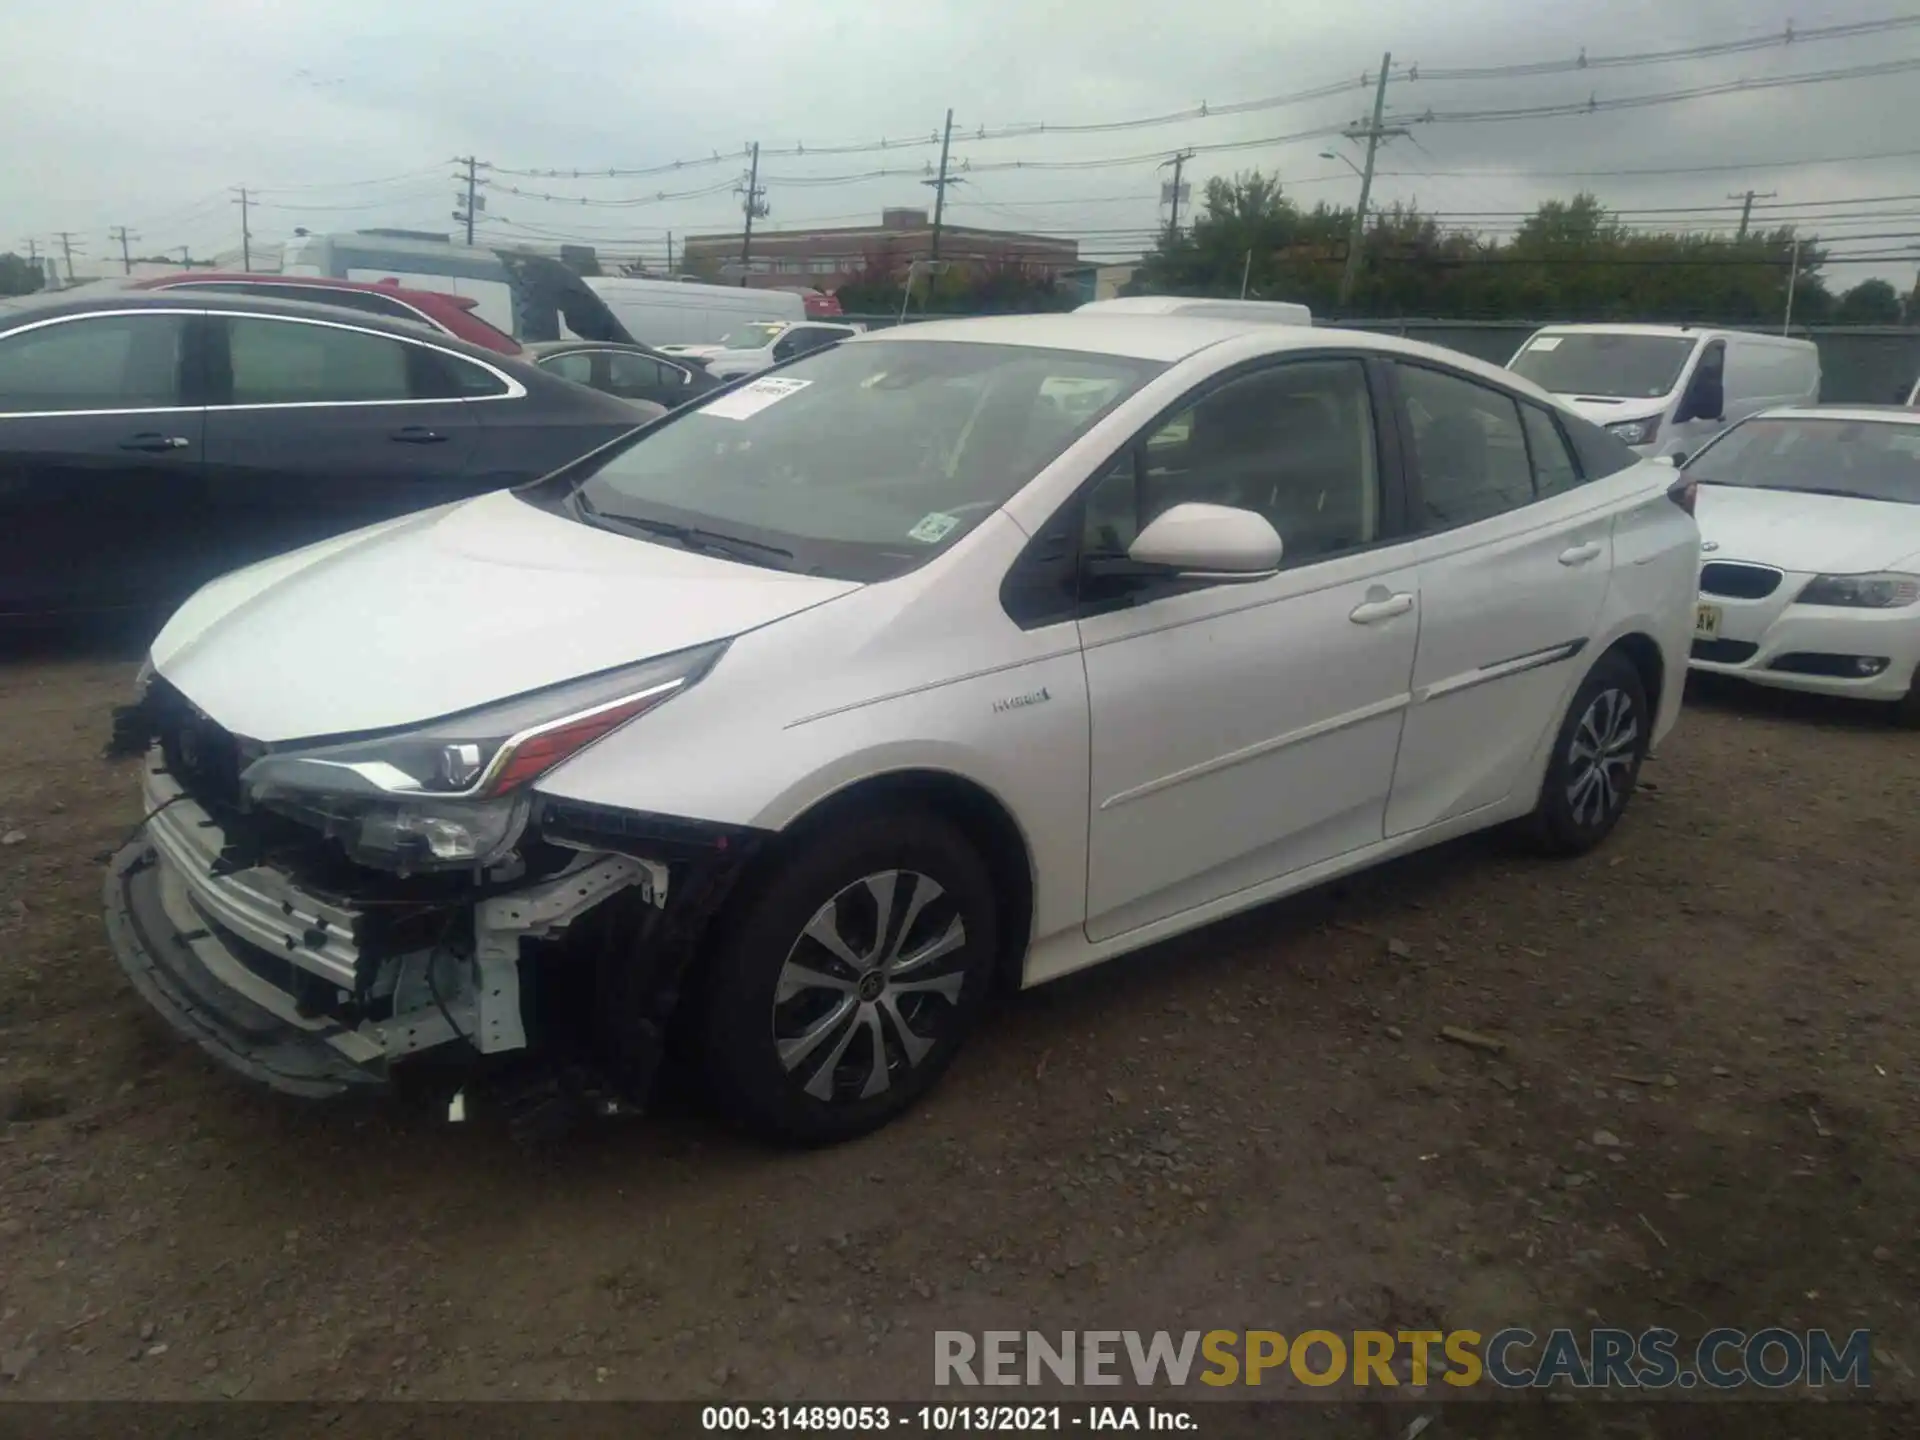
(1830, 534)
(449, 609)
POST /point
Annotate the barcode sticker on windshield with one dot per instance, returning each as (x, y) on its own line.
(752, 398)
(933, 528)
(1546, 342)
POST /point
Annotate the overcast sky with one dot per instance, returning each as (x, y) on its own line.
(118, 112)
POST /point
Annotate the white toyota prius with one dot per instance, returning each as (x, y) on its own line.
(1810, 538)
(952, 658)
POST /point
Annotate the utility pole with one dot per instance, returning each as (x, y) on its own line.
(468, 206)
(940, 183)
(122, 234)
(1172, 194)
(246, 233)
(186, 257)
(669, 252)
(66, 249)
(1374, 134)
(1746, 207)
(1793, 282)
(753, 201)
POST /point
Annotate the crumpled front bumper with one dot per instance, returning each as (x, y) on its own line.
(291, 989)
(194, 981)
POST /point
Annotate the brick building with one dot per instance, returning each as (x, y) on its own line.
(826, 259)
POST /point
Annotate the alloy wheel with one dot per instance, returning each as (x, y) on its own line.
(868, 984)
(1600, 757)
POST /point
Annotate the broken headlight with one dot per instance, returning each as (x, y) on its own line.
(451, 793)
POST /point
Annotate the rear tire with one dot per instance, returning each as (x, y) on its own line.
(844, 987)
(1595, 763)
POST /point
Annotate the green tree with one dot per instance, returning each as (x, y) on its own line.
(1570, 259)
(1871, 302)
(18, 275)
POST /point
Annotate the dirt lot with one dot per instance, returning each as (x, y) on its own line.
(1706, 1114)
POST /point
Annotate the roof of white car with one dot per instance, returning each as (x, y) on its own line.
(1889, 414)
(1172, 338)
(1669, 332)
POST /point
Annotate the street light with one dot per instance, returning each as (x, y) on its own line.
(1336, 155)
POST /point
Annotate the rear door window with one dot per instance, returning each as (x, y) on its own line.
(294, 362)
(1469, 452)
(640, 377)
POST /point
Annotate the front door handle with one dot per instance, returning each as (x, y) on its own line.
(154, 443)
(1372, 612)
(417, 435)
(1581, 554)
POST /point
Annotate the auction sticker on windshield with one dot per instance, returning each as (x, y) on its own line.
(751, 399)
(931, 529)
(1546, 342)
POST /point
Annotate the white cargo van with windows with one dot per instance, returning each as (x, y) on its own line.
(688, 318)
(1668, 389)
(531, 297)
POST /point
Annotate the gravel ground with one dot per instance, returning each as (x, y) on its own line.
(1705, 1113)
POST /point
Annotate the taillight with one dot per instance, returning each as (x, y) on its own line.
(1682, 492)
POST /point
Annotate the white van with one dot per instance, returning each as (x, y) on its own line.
(1259, 312)
(1668, 389)
(531, 297)
(687, 316)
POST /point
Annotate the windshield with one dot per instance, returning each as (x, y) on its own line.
(1613, 367)
(863, 460)
(753, 337)
(1870, 459)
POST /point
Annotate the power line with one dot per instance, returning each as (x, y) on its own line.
(350, 184)
(1723, 169)
(1205, 111)
(1593, 104)
(1788, 37)
(625, 202)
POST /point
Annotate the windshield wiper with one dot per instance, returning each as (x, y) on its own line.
(692, 537)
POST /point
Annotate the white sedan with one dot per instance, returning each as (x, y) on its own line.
(1810, 551)
(808, 717)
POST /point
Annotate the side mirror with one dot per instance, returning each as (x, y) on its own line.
(1706, 399)
(1217, 542)
(1678, 458)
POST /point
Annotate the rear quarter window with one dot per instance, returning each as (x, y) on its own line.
(1599, 452)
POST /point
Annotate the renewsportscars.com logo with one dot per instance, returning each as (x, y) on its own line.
(1511, 1359)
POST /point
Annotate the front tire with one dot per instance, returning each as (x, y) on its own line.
(1906, 710)
(849, 978)
(1595, 763)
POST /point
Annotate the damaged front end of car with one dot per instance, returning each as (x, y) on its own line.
(318, 914)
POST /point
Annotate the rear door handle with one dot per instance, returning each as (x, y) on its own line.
(154, 442)
(417, 435)
(1372, 612)
(1581, 554)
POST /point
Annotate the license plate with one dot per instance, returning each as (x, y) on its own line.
(1706, 622)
